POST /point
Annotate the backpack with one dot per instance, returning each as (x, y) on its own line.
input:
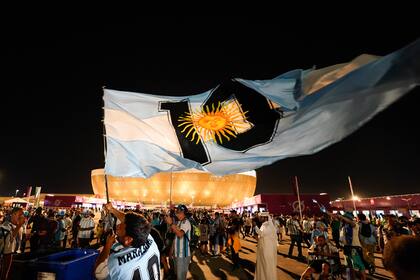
(365, 230)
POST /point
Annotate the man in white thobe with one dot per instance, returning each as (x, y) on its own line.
(266, 250)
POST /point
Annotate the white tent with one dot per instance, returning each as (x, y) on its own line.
(16, 200)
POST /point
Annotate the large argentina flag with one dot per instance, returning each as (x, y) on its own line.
(242, 124)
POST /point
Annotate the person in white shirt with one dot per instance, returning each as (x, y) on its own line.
(266, 268)
(61, 229)
(277, 226)
(135, 256)
(9, 231)
(86, 227)
(307, 230)
(68, 224)
(181, 243)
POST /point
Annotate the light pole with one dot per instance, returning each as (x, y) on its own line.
(16, 193)
(352, 195)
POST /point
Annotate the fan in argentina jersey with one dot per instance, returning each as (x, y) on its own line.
(132, 263)
(135, 256)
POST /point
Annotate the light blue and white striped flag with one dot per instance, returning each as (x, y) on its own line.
(242, 124)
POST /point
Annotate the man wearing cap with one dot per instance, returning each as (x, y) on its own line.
(182, 230)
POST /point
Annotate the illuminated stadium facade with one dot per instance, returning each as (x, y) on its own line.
(188, 187)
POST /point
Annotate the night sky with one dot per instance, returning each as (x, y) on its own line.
(51, 96)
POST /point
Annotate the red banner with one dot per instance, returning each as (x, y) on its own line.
(59, 201)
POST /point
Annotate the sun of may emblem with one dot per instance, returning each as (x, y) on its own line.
(219, 122)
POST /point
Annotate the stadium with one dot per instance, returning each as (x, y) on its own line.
(191, 187)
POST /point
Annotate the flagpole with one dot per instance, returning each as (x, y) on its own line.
(105, 150)
(105, 177)
(170, 192)
(28, 196)
(298, 195)
(352, 194)
(108, 216)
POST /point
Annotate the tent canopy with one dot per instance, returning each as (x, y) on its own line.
(15, 200)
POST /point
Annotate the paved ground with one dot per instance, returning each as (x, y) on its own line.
(205, 267)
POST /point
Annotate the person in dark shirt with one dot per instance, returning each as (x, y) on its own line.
(255, 223)
(415, 227)
(335, 229)
(158, 239)
(52, 227)
(39, 230)
(75, 228)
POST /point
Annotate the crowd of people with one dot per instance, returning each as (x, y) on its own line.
(176, 234)
(144, 243)
(358, 237)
